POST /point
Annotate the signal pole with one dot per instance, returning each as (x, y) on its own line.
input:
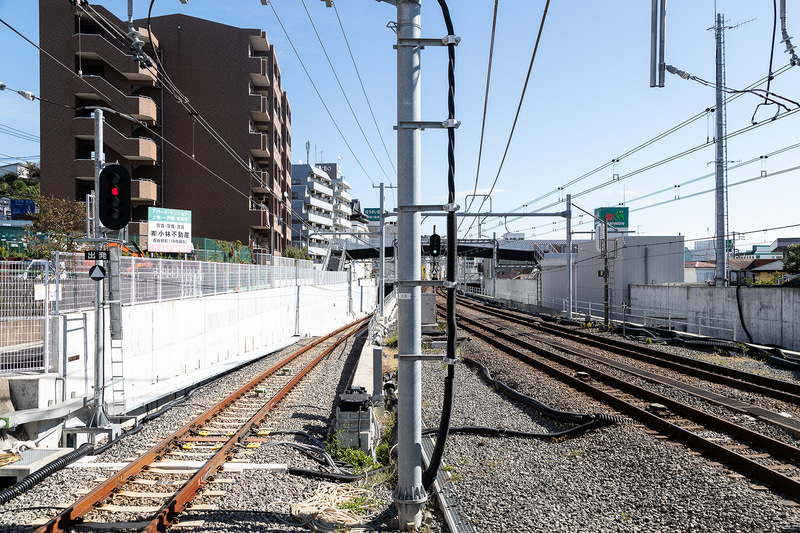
(99, 418)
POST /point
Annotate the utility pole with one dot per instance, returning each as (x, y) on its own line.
(570, 302)
(382, 253)
(605, 275)
(410, 494)
(721, 163)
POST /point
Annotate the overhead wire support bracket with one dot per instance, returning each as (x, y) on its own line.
(426, 357)
(422, 43)
(447, 208)
(421, 125)
(420, 283)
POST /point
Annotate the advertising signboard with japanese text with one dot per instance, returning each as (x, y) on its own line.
(169, 230)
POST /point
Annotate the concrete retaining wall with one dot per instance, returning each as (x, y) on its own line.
(170, 345)
(771, 314)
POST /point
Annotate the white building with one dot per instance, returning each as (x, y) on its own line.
(312, 201)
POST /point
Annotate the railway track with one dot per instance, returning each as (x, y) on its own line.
(749, 452)
(155, 488)
(746, 381)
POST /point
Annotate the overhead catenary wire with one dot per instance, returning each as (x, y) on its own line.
(656, 164)
(319, 95)
(485, 108)
(519, 107)
(344, 93)
(363, 89)
(648, 143)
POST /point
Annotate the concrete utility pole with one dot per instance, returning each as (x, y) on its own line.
(720, 269)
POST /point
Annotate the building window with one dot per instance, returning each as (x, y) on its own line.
(295, 196)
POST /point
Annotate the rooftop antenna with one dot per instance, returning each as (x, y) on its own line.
(308, 152)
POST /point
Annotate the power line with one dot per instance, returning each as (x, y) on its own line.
(692, 195)
(648, 143)
(369, 105)
(658, 163)
(19, 134)
(327, 110)
(519, 108)
(485, 107)
(344, 93)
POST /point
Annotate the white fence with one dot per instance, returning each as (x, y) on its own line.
(33, 293)
(713, 326)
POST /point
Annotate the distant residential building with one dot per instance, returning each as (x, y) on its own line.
(699, 272)
(780, 247)
(16, 168)
(341, 197)
(359, 223)
(312, 203)
(758, 251)
(232, 81)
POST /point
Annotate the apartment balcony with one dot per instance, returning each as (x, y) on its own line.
(139, 231)
(260, 120)
(138, 150)
(142, 108)
(259, 46)
(83, 170)
(260, 83)
(261, 155)
(316, 219)
(319, 204)
(93, 47)
(344, 196)
(344, 209)
(321, 189)
(144, 192)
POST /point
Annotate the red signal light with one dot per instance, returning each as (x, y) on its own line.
(114, 191)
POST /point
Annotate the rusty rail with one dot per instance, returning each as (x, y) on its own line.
(75, 513)
(733, 459)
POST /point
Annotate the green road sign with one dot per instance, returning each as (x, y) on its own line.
(373, 214)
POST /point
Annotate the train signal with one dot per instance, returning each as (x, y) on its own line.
(435, 245)
(114, 197)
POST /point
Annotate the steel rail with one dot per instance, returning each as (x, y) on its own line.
(181, 499)
(735, 460)
(75, 512)
(767, 386)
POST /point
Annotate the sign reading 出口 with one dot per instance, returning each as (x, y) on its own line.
(169, 230)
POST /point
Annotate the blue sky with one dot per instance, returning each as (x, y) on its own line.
(588, 102)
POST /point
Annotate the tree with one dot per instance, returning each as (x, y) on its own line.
(295, 252)
(792, 262)
(56, 226)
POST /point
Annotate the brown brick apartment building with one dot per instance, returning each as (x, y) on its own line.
(230, 76)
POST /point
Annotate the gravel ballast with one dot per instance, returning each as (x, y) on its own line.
(617, 478)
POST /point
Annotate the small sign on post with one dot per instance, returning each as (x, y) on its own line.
(97, 273)
(95, 255)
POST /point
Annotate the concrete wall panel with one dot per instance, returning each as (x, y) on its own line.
(168, 346)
